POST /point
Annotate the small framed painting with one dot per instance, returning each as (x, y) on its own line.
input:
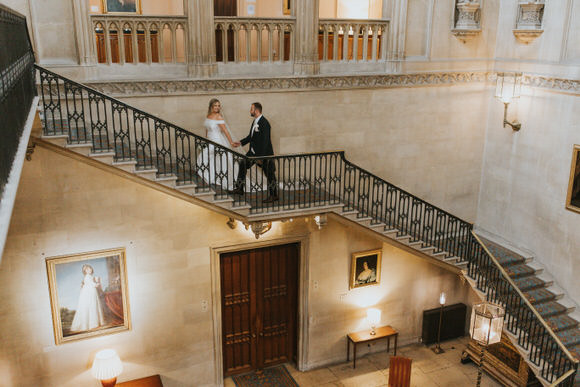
(286, 9)
(365, 268)
(573, 197)
(88, 294)
(122, 6)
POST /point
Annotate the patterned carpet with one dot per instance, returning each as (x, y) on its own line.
(270, 377)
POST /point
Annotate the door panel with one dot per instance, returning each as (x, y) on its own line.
(259, 307)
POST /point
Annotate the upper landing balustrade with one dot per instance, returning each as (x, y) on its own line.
(139, 39)
(236, 46)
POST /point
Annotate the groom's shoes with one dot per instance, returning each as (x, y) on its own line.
(270, 199)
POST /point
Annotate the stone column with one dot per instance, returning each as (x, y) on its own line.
(396, 12)
(306, 37)
(83, 33)
(200, 38)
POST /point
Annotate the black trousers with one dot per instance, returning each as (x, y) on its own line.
(269, 169)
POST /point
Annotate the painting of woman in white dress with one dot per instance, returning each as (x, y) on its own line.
(366, 268)
(88, 294)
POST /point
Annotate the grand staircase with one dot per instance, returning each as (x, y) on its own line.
(87, 125)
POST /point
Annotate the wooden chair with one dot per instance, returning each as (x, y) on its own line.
(400, 371)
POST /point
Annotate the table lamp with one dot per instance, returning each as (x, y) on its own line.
(374, 317)
(106, 367)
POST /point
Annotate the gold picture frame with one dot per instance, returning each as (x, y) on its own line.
(365, 268)
(88, 294)
(286, 7)
(573, 197)
(122, 6)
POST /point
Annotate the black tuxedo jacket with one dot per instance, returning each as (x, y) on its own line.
(260, 143)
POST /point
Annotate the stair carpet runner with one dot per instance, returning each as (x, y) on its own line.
(534, 288)
(536, 291)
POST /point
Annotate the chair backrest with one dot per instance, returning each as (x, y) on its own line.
(400, 371)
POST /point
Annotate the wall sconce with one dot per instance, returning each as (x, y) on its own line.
(508, 86)
(320, 220)
(437, 348)
(486, 328)
(374, 318)
(259, 228)
(106, 367)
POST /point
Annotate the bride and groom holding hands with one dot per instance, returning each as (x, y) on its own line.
(260, 145)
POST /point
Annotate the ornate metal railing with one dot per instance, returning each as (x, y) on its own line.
(254, 39)
(352, 40)
(139, 39)
(311, 182)
(546, 351)
(16, 85)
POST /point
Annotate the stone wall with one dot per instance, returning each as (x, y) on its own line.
(65, 207)
(525, 182)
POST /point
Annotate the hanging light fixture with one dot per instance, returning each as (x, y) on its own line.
(508, 86)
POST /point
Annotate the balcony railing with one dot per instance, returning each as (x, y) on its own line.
(352, 40)
(254, 40)
(139, 39)
(16, 86)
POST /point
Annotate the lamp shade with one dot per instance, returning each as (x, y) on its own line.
(486, 323)
(107, 365)
(508, 86)
(373, 316)
(442, 298)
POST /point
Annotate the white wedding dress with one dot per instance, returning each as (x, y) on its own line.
(217, 168)
(89, 314)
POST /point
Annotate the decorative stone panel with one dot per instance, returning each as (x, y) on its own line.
(529, 20)
(466, 19)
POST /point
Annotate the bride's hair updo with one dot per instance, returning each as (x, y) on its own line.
(211, 102)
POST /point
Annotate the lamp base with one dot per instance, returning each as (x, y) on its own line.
(437, 349)
(109, 382)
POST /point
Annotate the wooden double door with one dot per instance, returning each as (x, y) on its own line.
(259, 291)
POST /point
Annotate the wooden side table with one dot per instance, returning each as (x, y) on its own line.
(150, 381)
(365, 337)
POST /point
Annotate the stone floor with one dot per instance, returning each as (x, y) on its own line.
(428, 369)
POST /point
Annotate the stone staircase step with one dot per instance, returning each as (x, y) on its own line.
(150, 174)
(530, 283)
(60, 140)
(169, 181)
(521, 270)
(550, 308)
(504, 256)
(186, 188)
(128, 166)
(104, 157)
(538, 296)
(569, 337)
(561, 322)
(84, 149)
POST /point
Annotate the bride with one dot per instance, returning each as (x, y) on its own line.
(217, 164)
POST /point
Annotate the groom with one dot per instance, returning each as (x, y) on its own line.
(260, 145)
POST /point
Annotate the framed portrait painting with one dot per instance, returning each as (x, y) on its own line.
(365, 268)
(573, 197)
(286, 7)
(88, 294)
(122, 6)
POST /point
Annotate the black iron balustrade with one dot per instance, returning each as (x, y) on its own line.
(17, 88)
(304, 181)
(521, 319)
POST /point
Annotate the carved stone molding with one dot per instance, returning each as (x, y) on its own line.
(188, 87)
(529, 21)
(467, 19)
